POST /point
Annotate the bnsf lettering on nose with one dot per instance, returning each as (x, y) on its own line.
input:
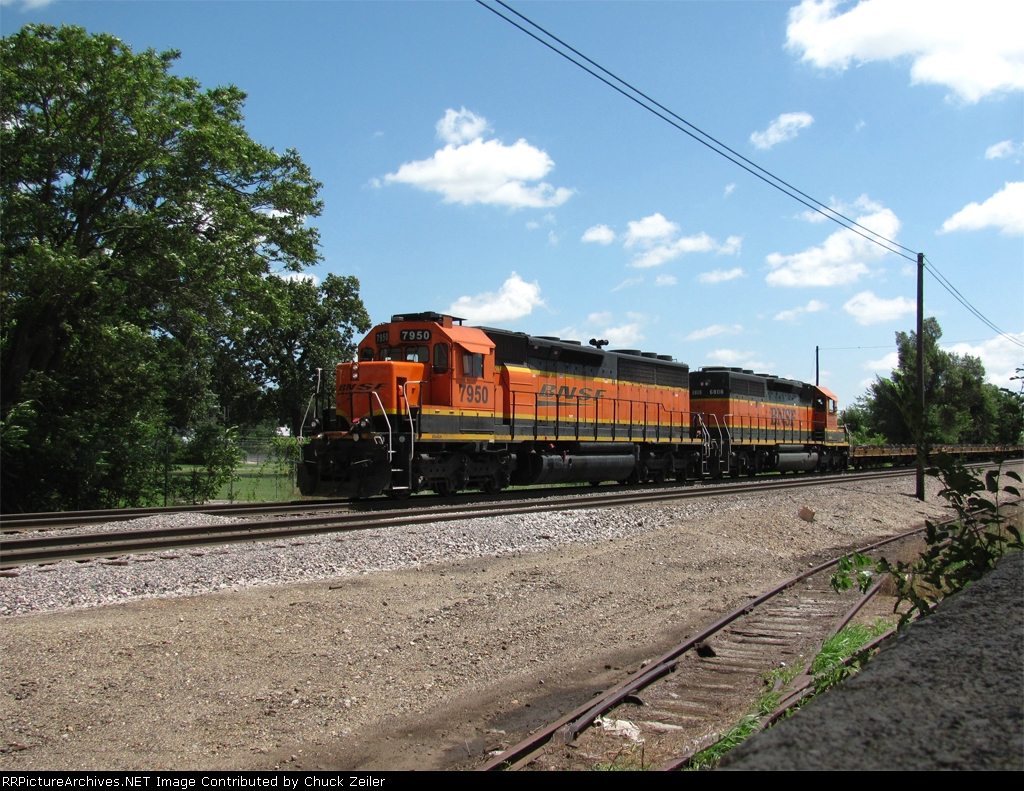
(783, 417)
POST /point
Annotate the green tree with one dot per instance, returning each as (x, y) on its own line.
(960, 406)
(142, 228)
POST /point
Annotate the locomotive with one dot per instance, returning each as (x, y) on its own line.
(431, 404)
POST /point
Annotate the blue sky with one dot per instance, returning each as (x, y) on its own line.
(468, 169)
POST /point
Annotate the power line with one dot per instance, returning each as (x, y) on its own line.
(715, 145)
(942, 281)
(735, 157)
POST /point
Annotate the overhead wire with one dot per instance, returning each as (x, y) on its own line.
(942, 281)
(720, 148)
(727, 153)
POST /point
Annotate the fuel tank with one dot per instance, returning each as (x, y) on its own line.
(557, 468)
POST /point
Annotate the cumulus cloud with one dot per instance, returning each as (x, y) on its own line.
(1004, 210)
(649, 230)
(601, 234)
(975, 49)
(1007, 148)
(461, 127)
(1000, 356)
(729, 189)
(623, 335)
(866, 308)
(783, 128)
(713, 330)
(720, 275)
(470, 169)
(732, 357)
(516, 298)
(814, 306)
(842, 258)
(887, 363)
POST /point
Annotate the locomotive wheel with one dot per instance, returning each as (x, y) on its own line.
(445, 489)
(399, 494)
(491, 485)
(595, 483)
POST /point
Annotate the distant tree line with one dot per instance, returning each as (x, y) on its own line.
(152, 295)
(961, 408)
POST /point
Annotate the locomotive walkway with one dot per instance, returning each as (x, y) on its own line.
(946, 694)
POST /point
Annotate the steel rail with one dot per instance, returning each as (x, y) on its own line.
(79, 545)
(569, 725)
(52, 520)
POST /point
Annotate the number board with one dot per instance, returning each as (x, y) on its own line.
(382, 337)
(415, 335)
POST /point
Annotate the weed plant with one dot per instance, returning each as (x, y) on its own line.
(956, 553)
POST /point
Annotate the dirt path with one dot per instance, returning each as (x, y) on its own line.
(415, 668)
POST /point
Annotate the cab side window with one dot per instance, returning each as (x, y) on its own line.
(366, 354)
(472, 365)
(440, 358)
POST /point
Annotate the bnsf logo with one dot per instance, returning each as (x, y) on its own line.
(583, 393)
(360, 387)
(783, 417)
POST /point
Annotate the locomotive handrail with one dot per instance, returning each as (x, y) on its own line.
(387, 422)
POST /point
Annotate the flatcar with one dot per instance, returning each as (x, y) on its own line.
(431, 404)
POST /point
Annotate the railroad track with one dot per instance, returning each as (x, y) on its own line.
(681, 702)
(80, 545)
(50, 520)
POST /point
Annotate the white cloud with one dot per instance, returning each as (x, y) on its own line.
(720, 275)
(1004, 210)
(731, 357)
(887, 363)
(460, 127)
(27, 4)
(732, 246)
(812, 216)
(729, 189)
(866, 308)
(842, 258)
(975, 48)
(814, 306)
(604, 317)
(601, 234)
(859, 125)
(624, 335)
(1000, 356)
(516, 298)
(713, 330)
(665, 280)
(553, 238)
(656, 256)
(629, 281)
(1007, 148)
(471, 170)
(649, 230)
(783, 128)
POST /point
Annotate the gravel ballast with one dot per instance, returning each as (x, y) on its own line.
(409, 647)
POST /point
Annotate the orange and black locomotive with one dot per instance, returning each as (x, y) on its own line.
(430, 404)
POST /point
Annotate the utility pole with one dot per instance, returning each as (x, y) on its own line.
(920, 374)
(816, 382)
